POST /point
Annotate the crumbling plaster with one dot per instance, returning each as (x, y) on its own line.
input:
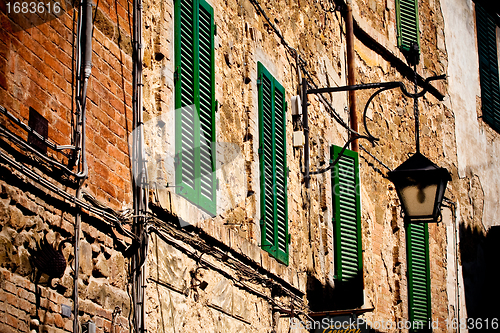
(477, 144)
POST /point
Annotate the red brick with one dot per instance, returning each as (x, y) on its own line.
(117, 104)
(101, 142)
(58, 320)
(104, 313)
(13, 310)
(10, 287)
(101, 116)
(117, 129)
(108, 135)
(48, 319)
(108, 188)
(22, 326)
(63, 127)
(10, 320)
(117, 181)
(101, 170)
(117, 154)
(123, 146)
(53, 63)
(4, 328)
(61, 82)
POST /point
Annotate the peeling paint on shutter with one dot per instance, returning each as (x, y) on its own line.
(488, 67)
(347, 216)
(417, 243)
(407, 24)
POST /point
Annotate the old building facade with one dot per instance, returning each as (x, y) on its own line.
(154, 174)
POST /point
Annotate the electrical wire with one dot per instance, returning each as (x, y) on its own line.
(374, 157)
(303, 65)
(178, 239)
(244, 272)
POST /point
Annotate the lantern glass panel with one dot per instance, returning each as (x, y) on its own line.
(419, 200)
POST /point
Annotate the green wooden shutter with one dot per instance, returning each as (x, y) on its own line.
(407, 24)
(194, 102)
(419, 286)
(273, 169)
(347, 215)
(488, 67)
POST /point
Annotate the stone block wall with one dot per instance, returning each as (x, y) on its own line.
(244, 38)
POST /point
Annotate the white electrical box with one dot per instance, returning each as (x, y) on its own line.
(299, 139)
(296, 106)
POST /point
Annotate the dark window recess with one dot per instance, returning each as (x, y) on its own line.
(40, 125)
(488, 67)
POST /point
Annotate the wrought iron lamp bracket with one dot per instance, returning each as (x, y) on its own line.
(382, 86)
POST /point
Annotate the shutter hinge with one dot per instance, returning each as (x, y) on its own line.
(262, 221)
(176, 160)
(215, 29)
(261, 151)
(216, 106)
(288, 238)
(217, 184)
(176, 74)
(259, 82)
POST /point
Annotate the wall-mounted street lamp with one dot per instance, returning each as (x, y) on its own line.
(420, 184)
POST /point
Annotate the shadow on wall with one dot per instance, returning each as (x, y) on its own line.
(345, 295)
(480, 263)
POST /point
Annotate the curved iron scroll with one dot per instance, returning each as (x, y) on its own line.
(383, 87)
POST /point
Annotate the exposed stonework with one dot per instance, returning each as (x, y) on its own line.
(208, 272)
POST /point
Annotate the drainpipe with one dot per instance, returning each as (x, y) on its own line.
(305, 124)
(351, 80)
(351, 74)
(84, 60)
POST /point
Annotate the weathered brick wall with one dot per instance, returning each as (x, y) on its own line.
(37, 67)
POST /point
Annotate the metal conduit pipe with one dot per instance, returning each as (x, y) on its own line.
(86, 62)
(351, 80)
(139, 180)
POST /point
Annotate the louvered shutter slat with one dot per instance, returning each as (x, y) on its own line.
(345, 180)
